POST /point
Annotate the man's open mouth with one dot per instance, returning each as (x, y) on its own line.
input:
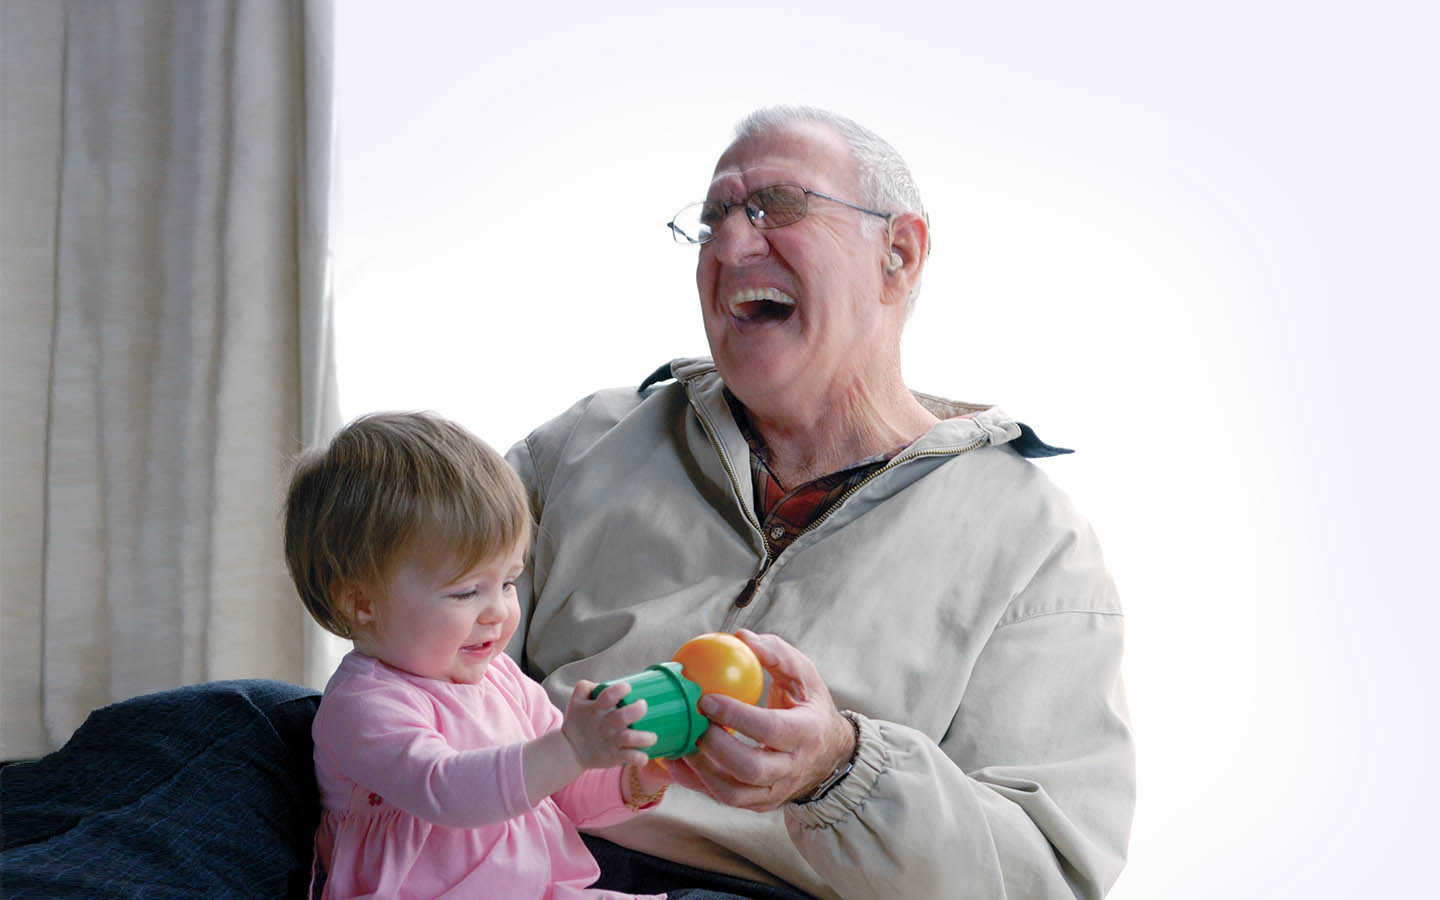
(761, 305)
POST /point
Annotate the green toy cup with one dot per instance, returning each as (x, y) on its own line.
(670, 711)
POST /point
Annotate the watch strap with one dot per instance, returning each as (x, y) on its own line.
(837, 774)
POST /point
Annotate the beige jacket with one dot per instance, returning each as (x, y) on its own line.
(955, 600)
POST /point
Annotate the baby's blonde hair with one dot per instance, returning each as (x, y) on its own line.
(388, 483)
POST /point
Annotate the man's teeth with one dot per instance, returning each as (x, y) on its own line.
(745, 304)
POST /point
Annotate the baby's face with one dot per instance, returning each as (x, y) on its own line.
(435, 626)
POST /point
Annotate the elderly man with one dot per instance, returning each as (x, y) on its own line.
(945, 716)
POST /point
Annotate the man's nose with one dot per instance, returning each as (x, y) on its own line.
(737, 241)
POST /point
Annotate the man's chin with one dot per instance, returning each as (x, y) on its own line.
(755, 380)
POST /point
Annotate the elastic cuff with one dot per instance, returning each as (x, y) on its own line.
(848, 795)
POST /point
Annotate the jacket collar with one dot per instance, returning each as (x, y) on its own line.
(960, 425)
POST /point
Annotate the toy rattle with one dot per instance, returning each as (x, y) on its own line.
(715, 663)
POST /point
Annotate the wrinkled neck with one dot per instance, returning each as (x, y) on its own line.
(818, 436)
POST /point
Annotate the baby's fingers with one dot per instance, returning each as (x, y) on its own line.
(631, 758)
(629, 714)
(630, 744)
(633, 738)
(607, 698)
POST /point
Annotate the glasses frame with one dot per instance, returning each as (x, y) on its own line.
(752, 212)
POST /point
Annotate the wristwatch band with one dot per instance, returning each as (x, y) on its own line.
(838, 774)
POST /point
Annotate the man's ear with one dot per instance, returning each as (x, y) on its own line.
(910, 244)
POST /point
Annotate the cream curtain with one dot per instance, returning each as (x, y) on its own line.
(166, 345)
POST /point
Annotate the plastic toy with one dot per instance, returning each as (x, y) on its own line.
(716, 663)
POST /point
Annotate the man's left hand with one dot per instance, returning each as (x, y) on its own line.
(794, 743)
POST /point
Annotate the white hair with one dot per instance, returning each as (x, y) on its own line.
(886, 184)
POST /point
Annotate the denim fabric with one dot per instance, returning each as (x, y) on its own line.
(202, 791)
(622, 869)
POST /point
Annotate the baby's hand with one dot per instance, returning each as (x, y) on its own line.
(599, 732)
(644, 786)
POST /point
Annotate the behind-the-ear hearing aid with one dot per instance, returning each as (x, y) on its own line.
(894, 263)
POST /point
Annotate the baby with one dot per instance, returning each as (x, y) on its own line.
(443, 769)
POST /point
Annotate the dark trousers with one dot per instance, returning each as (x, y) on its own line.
(622, 869)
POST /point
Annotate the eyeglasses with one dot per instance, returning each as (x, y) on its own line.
(772, 206)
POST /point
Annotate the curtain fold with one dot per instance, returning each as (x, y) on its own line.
(166, 171)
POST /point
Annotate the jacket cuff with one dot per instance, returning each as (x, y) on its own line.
(848, 795)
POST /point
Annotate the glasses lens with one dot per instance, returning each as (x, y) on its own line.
(777, 205)
(694, 224)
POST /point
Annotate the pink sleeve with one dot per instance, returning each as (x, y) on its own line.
(593, 799)
(384, 738)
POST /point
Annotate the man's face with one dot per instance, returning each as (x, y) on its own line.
(792, 314)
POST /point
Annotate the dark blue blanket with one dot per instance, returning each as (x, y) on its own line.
(203, 791)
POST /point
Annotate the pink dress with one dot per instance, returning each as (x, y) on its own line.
(423, 793)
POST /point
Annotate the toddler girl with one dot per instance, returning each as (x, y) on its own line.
(443, 770)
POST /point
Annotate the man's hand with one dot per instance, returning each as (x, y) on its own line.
(792, 745)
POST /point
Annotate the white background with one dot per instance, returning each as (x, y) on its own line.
(1196, 242)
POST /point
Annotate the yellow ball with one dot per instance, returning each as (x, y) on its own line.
(721, 664)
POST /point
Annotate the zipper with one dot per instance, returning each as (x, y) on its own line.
(747, 593)
(898, 460)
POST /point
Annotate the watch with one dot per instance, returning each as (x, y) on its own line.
(838, 774)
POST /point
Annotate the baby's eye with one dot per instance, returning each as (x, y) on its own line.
(466, 594)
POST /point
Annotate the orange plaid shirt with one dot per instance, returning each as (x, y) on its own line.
(786, 513)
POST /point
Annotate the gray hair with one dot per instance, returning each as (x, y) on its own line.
(885, 180)
(886, 184)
